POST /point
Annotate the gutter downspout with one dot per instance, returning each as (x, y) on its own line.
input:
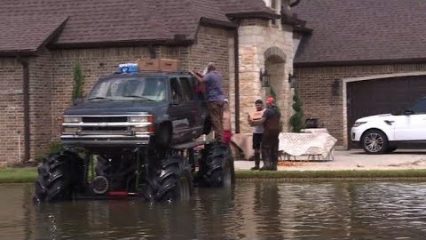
(26, 93)
(237, 80)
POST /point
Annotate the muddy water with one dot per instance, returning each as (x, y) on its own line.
(253, 210)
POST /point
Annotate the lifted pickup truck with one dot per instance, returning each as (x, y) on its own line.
(135, 135)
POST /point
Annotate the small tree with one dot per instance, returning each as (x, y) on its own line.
(77, 91)
(296, 120)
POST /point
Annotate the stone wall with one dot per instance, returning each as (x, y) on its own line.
(254, 40)
(11, 109)
(316, 92)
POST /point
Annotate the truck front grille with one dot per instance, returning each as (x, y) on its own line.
(103, 119)
(104, 130)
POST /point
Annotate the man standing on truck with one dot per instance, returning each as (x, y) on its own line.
(215, 98)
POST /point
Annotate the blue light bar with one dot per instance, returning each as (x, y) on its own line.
(128, 68)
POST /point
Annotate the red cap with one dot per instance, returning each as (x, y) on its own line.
(270, 100)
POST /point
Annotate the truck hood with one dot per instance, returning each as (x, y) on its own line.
(114, 107)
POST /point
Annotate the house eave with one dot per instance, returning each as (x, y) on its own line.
(178, 41)
(217, 23)
(262, 15)
(360, 62)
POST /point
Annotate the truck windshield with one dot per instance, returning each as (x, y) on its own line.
(150, 88)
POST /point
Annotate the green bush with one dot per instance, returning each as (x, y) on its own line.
(78, 77)
(296, 121)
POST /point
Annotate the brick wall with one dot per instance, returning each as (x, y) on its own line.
(11, 109)
(212, 45)
(316, 91)
(41, 74)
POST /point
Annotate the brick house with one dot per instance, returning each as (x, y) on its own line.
(343, 53)
(363, 57)
(42, 41)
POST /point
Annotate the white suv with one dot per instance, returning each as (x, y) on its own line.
(384, 133)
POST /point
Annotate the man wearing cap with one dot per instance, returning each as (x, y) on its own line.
(215, 98)
(272, 128)
(257, 131)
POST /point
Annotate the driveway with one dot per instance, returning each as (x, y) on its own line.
(354, 160)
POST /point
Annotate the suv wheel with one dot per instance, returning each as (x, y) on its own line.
(374, 142)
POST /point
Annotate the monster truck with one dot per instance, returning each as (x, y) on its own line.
(135, 135)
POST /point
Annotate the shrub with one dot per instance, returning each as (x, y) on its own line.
(296, 120)
(78, 77)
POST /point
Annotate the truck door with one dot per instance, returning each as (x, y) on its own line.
(194, 112)
(178, 110)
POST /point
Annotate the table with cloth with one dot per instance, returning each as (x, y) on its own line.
(307, 145)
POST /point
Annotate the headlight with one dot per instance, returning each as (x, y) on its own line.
(70, 119)
(137, 119)
(357, 124)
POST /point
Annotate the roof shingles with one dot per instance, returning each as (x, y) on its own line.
(110, 21)
(362, 31)
(17, 37)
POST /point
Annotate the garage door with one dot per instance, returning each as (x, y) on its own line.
(383, 96)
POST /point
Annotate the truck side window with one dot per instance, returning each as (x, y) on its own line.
(175, 90)
(188, 91)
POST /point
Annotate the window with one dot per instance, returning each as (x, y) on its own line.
(420, 106)
(187, 88)
(176, 91)
(150, 88)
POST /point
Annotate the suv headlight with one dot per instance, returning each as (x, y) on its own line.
(357, 124)
(70, 119)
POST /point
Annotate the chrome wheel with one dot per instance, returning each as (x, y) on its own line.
(374, 141)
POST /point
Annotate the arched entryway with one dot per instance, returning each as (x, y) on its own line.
(275, 60)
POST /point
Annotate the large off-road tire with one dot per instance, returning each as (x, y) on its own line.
(217, 166)
(59, 177)
(374, 142)
(174, 181)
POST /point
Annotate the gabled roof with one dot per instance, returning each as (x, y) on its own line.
(114, 22)
(362, 31)
(17, 38)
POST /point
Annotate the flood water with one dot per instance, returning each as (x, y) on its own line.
(253, 210)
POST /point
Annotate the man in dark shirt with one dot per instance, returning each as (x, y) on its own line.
(215, 98)
(271, 129)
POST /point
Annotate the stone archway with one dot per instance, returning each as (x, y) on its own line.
(275, 60)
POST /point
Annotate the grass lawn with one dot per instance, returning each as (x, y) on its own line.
(22, 175)
(335, 174)
(18, 175)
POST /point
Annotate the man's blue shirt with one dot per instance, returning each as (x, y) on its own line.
(214, 87)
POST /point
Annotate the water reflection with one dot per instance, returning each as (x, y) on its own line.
(253, 210)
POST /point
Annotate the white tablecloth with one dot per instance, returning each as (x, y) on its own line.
(298, 144)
